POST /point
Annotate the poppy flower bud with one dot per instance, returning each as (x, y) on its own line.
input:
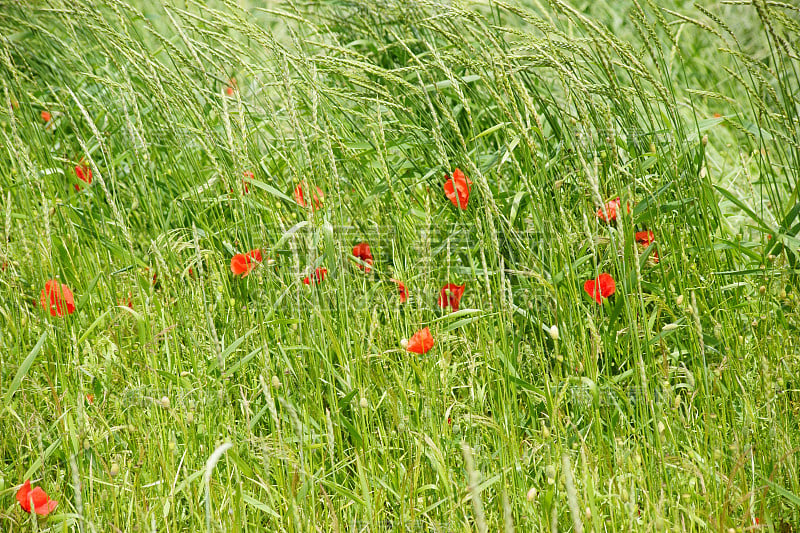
(553, 331)
(531, 495)
(164, 402)
(550, 472)
(404, 343)
(276, 382)
(705, 139)
(762, 290)
(545, 432)
(363, 403)
(114, 470)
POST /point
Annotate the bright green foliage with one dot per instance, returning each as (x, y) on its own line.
(671, 406)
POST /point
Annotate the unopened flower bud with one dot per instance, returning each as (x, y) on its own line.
(550, 472)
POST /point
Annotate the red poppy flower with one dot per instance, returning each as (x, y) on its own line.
(242, 264)
(401, 288)
(717, 115)
(457, 188)
(90, 398)
(450, 295)
(127, 301)
(645, 238)
(316, 197)
(247, 175)
(84, 173)
(57, 298)
(42, 504)
(46, 116)
(319, 276)
(610, 212)
(600, 288)
(362, 251)
(231, 88)
(421, 342)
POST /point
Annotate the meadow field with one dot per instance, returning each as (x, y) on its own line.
(399, 265)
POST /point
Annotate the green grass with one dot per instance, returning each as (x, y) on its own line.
(260, 403)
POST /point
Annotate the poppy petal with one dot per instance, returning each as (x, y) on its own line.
(316, 197)
(242, 264)
(590, 288)
(401, 288)
(457, 188)
(42, 504)
(602, 287)
(57, 298)
(84, 173)
(421, 342)
(363, 252)
(645, 238)
(23, 496)
(450, 295)
(317, 277)
(46, 508)
(38, 497)
(608, 213)
(607, 285)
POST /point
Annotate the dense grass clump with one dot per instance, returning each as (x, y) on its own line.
(224, 228)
